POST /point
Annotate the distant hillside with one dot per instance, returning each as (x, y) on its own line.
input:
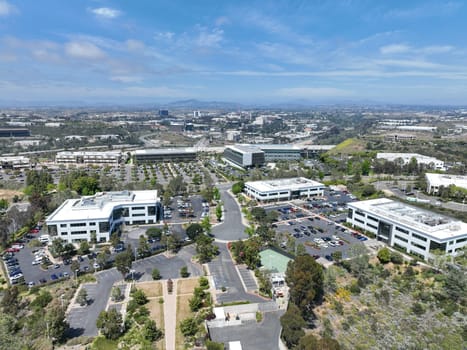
(349, 146)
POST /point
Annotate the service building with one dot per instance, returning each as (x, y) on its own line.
(412, 229)
(434, 181)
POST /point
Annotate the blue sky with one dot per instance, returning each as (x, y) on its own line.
(410, 52)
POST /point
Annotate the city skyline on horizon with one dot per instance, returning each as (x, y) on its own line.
(104, 51)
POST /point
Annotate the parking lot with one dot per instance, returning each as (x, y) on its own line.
(317, 224)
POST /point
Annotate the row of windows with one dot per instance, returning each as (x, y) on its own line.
(403, 230)
(419, 237)
(461, 240)
(418, 245)
(401, 239)
(372, 218)
(138, 208)
(78, 224)
(359, 213)
(372, 226)
(79, 233)
(360, 221)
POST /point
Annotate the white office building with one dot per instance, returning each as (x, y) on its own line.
(415, 230)
(101, 215)
(245, 156)
(112, 158)
(15, 162)
(283, 189)
(435, 181)
(407, 157)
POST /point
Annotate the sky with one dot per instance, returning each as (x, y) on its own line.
(251, 52)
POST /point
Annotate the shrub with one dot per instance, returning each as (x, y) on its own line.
(156, 275)
(396, 258)
(184, 272)
(384, 255)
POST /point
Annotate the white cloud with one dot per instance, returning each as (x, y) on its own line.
(312, 92)
(222, 20)
(431, 50)
(164, 36)
(394, 49)
(84, 50)
(409, 64)
(106, 12)
(6, 8)
(209, 38)
(127, 79)
(134, 45)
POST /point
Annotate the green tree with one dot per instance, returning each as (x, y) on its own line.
(194, 230)
(211, 345)
(189, 327)
(55, 320)
(310, 342)
(144, 249)
(116, 294)
(82, 297)
(150, 331)
(205, 248)
(156, 275)
(396, 258)
(83, 248)
(206, 224)
(292, 326)
(123, 261)
(11, 301)
(154, 233)
(184, 272)
(109, 324)
(258, 214)
(219, 212)
(238, 187)
(86, 185)
(58, 247)
(304, 276)
(139, 297)
(384, 255)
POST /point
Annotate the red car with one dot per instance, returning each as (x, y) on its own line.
(34, 230)
(12, 250)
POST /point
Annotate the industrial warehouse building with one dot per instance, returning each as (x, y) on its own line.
(283, 189)
(434, 181)
(101, 215)
(164, 155)
(414, 230)
(407, 157)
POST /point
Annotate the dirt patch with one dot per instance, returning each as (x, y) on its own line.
(151, 289)
(183, 312)
(186, 286)
(9, 194)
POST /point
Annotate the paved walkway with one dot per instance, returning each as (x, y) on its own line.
(170, 314)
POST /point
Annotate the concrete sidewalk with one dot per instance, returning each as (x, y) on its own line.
(170, 314)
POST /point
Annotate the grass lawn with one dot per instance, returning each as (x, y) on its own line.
(104, 344)
(183, 311)
(187, 285)
(151, 289)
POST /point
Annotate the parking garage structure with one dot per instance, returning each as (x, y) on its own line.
(100, 215)
(283, 189)
(416, 231)
(186, 154)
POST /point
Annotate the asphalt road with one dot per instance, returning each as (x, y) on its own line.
(225, 275)
(232, 227)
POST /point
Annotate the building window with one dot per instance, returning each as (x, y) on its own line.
(350, 213)
(372, 218)
(137, 208)
(437, 246)
(401, 239)
(461, 240)
(62, 225)
(402, 230)
(138, 214)
(52, 229)
(418, 246)
(92, 224)
(419, 237)
(79, 232)
(360, 221)
(104, 226)
(360, 213)
(151, 210)
(78, 224)
(372, 226)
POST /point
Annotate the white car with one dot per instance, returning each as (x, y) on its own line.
(16, 277)
(96, 266)
(36, 262)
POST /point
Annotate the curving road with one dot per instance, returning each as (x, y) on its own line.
(232, 228)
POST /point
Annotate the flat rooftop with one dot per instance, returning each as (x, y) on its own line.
(433, 224)
(292, 184)
(164, 151)
(245, 148)
(100, 205)
(446, 180)
(405, 156)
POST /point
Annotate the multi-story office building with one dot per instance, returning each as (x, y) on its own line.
(415, 230)
(112, 158)
(434, 181)
(164, 155)
(16, 162)
(14, 132)
(407, 157)
(250, 155)
(101, 215)
(245, 156)
(283, 189)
